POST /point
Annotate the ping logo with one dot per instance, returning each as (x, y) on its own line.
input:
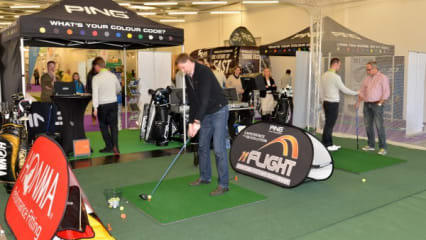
(276, 129)
(90, 10)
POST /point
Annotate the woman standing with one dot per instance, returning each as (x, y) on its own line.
(79, 87)
(234, 81)
(267, 102)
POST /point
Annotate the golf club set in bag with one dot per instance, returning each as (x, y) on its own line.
(284, 109)
(14, 144)
(157, 123)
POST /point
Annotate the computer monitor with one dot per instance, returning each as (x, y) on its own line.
(231, 94)
(64, 88)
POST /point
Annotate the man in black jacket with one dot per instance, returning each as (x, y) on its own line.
(208, 114)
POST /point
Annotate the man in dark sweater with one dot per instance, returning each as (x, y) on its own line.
(208, 114)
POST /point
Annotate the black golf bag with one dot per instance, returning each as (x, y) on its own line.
(284, 109)
(157, 125)
(13, 139)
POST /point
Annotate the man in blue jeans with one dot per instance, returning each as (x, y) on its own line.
(375, 90)
(208, 114)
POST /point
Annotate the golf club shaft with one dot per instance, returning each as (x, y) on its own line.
(168, 168)
(357, 129)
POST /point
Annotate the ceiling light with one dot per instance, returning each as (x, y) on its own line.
(1, 16)
(160, 3)
(141, 7)
(146, 13)
(209, 2)
(25, 6)
(5, 23)
(225, 12)
(260, 2)
(16, 16)
(172, 20)
(125, 4)
(182, 13)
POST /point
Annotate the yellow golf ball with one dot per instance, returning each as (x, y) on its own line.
(121, 208)
(149, 197)
(364, 180)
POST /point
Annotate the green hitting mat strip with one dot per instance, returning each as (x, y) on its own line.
(359, 161)
(175, 200)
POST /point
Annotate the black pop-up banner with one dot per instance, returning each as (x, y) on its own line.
(280, 154)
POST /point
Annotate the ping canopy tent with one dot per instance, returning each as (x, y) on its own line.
(91, 24)
(337, 40)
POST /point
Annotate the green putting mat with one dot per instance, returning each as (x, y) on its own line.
(129, 142)
(175, 200)
(360, 161)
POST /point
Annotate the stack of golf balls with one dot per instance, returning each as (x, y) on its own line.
(114, 202)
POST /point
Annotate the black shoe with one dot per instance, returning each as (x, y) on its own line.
(219, 191)
(106, 150)
(198, 182)
(115, 151)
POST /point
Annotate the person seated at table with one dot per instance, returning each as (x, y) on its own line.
(267, 102)
(79, 87)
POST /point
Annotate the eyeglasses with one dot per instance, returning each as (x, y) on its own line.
(369, 69)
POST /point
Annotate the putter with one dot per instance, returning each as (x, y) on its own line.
(145, 196)
(357, 129)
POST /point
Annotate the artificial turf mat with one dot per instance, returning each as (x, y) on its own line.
(129, 142)
(360, 161)
(175, 200)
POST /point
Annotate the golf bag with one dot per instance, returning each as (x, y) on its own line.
(13, 139)
(284, 109)
(157, 125)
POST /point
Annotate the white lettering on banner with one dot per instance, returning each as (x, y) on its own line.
(276, 129)
(223, 65)
(3, 159)
(38, 179)
(262, 173)
(28, 215)
(271, 163)
(65, 24)
(96, 26)
(90, 10)
(128, 29)
(34, 120)
(152, 30)
(346, 35)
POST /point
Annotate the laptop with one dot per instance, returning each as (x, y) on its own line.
(64, 88)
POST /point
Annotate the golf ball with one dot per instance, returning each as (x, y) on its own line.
(123, 216)
(364, 180)
(149, 197)
(121, 208)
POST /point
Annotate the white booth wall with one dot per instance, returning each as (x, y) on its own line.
(154, 71)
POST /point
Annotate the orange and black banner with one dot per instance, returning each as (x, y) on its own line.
(272, 152)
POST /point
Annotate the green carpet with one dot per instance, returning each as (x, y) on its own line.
(129, 142)
(360, 161)
(175, 200)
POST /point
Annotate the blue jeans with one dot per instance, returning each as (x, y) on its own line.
(373, 116)
(214, 126)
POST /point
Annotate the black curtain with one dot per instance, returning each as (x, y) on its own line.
(10, 68)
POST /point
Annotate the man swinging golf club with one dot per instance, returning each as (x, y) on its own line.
(208, 114)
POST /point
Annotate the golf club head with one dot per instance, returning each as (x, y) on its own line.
(143, 196)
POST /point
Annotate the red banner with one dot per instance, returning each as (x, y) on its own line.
(37, 203)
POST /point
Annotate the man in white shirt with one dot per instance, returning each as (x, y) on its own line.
(330, 86)
(105, 88)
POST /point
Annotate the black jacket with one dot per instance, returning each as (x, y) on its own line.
(204, 93)
(273, 89)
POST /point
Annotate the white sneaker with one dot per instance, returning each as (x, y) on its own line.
(382, 152)
(333, 148)
(368, 148)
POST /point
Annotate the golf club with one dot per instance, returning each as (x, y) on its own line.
(357, 129)
(145, 196)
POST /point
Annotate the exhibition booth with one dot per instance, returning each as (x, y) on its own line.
(283, 182)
